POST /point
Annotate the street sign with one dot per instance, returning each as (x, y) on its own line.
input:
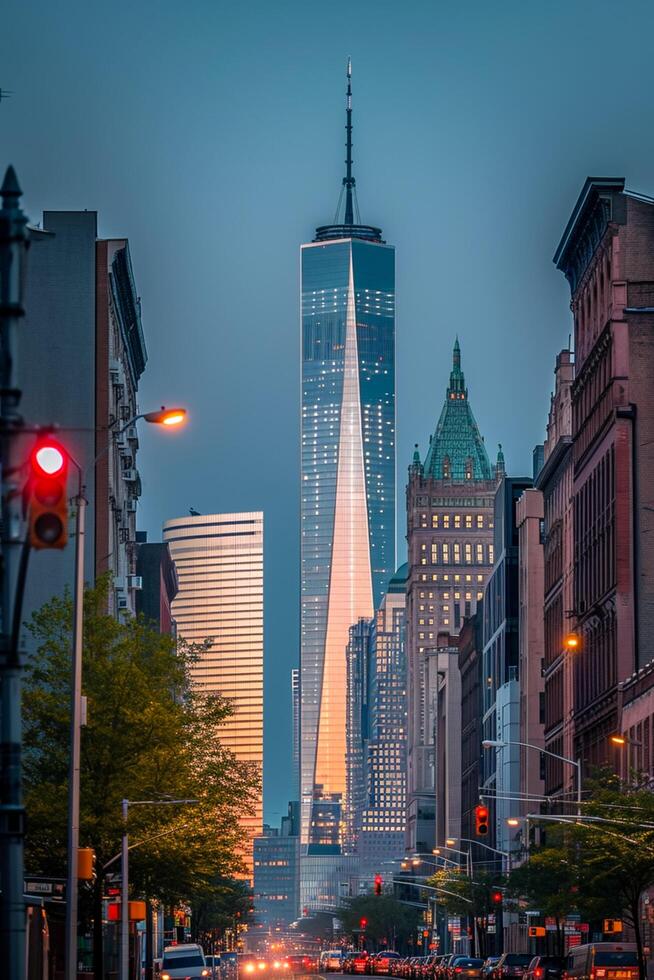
(45, 887)
(612, 925)
(536, 932)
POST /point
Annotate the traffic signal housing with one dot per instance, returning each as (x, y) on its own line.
(496, 896)
(85, 863)
(47, 496)
(481, 821)
(379, 881)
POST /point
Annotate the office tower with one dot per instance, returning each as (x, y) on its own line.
(219, 561)
(607, 256)
(295, 713)
(276, 855)
(347, 484)
(81, 355)
(449, 501)
(555, 482)
(381, 835)
(472, 681)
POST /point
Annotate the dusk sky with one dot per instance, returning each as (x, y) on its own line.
(211, 135)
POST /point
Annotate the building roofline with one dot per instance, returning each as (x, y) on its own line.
(593, 185)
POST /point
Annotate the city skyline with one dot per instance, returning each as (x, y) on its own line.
(496, 165)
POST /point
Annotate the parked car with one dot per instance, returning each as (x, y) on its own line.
(616, 961)
(544, 968)
(511, 965)
(184, 962)
(464, 966)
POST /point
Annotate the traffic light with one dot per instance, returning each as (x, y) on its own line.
(47, 497)
(481, 821)
(85, 863)
(363, 923)
(496, 896)
(379, 881)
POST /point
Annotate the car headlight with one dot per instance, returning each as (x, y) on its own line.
(249, 967)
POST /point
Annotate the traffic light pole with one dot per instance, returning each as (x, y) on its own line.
(75, 729)
(13, 244)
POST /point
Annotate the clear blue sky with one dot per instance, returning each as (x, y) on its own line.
(211, 135)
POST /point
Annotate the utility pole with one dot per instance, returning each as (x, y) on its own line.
(13, 246)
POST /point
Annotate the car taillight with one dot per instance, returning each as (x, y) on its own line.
(599, 973)
(538, 972)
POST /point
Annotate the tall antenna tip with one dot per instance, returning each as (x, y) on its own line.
(349, 67)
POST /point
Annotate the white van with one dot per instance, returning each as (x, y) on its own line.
(602, 961)
(184, 962)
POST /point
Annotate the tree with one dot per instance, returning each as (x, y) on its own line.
(150, 735)
(549, 881)
(473, 898)
(389, 923)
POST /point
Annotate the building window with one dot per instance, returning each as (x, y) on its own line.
(480, 520)
(423, 520)
(480, 553)
(446, 553)
(480, 595)
(446, 521)
(434, 520)
(490, 554)
(468, 521)
(457, 553)
(457, 520)
(434, 553)
(467, 550)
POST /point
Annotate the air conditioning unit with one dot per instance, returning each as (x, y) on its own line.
(130, 475)
(135, 581)
(131, 505)
(131, 433)
(122, 602)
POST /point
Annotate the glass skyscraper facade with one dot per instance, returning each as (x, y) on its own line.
(348, 485)
(219, 561)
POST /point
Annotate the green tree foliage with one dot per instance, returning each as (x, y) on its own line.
(389, 923)
(150, 735)
(458, 895)
(220, 904)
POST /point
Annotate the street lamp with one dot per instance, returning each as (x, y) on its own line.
(572, 642)
(489, 743)
(177, 415)
(124, 874)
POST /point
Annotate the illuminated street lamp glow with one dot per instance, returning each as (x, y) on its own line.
(513, 821)
(572, 642)
(618, 739)
(166, 416)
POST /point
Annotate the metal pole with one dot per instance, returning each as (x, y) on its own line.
(578, 765)
(13, 242)
(75, 720)
(124, 900)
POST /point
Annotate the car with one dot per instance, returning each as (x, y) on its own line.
(184, 962)
(358, 962)
(442, 966)
(380, 963)
(331, 960)
(544, 968)
(301, 963)
(511, 965)
(464, 967)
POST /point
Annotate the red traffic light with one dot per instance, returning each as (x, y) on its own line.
(47, 497)
(481, 821)
(496, 897)
(363, 923)
(379, 881)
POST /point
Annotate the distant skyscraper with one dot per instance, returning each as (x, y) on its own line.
(450, 546)
(219, 560)
(295, 709)
(348, 482)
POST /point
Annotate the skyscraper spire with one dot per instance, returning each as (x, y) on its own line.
(348, 180)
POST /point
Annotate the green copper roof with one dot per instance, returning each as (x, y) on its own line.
(457, 451)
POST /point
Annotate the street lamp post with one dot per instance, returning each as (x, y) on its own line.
(124, 873)
(162, 417)
(499, 744)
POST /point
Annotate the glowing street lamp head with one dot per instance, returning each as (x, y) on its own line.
(166, 416)
(415, 862)
(450, 841)
(618, 739)
(572, 642)
(513, 821)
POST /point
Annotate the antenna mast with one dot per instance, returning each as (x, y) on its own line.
(348, 180)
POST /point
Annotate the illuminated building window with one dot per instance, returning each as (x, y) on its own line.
(480, 578)
(434, 520)
(457, 553)
(480, 595)
(446, 554)
(446, 622)
(480, 553)
(446, 595)
(468, 520)
(490, 554)
(446, 520)
(434, 554)
(480, 520)
(467, 553)
(423, 520)
(457, 520)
